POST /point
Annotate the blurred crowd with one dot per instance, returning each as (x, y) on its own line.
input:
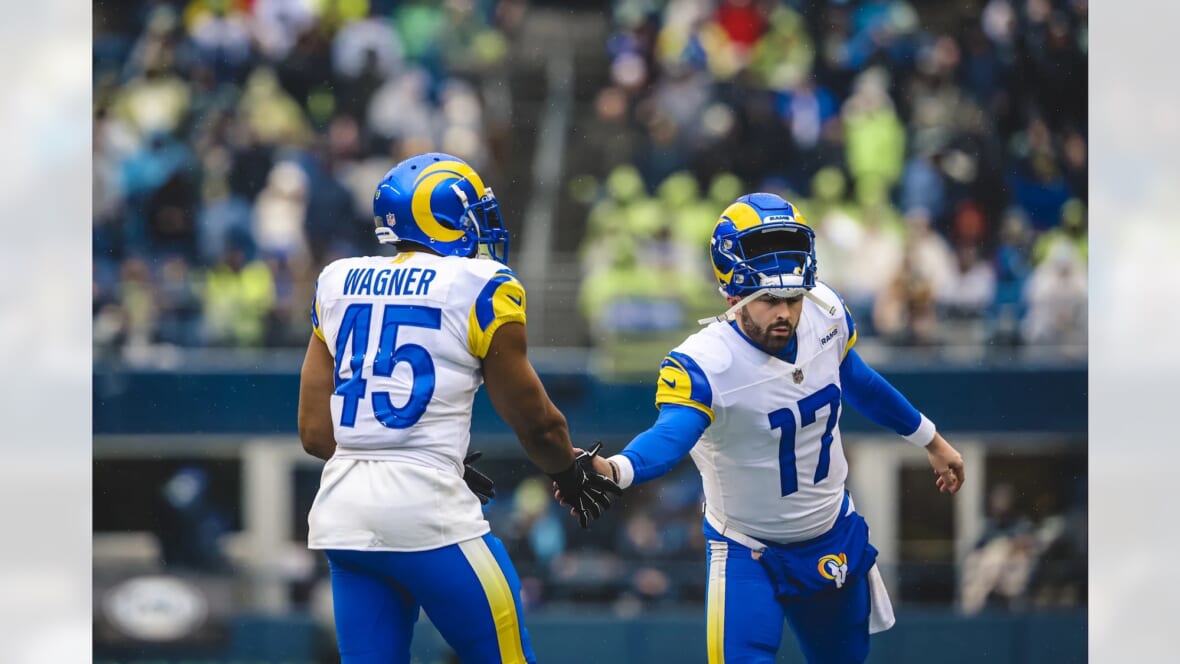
(940, 156)
(938, 150)
(237, 144)
(1022, 562)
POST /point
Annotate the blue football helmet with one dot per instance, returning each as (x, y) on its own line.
(440, 202)
(762, 242)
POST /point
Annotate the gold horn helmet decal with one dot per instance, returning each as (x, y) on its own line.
(424, 186)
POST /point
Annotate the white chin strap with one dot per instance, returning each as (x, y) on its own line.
(777, 292)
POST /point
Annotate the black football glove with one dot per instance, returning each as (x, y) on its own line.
(481, 485)
(583, 489)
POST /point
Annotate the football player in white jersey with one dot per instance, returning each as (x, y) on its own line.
(755, 398)
(399, 347)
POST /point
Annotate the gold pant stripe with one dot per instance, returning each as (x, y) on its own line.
(500, 599)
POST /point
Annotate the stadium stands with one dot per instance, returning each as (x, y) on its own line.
(940, 155)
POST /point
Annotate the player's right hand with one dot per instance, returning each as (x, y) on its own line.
(585, 491)
(947, 464)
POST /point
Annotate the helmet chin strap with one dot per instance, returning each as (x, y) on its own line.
(729, 313)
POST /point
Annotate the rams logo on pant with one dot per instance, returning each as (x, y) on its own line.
(834, 567)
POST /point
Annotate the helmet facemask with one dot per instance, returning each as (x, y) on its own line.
(491, 237)
(778, 257)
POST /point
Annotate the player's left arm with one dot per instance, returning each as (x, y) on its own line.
(876, 399)
(316, 385)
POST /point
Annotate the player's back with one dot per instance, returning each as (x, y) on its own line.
(406, 334)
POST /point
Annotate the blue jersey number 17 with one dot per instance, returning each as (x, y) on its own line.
(784, 418)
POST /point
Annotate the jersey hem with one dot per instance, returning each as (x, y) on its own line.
(395, 549)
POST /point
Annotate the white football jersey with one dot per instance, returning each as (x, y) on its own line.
(407, 334)
(771, 460)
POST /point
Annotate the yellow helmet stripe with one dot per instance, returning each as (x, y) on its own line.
(742, 215)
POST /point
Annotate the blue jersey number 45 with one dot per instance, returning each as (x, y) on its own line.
(355, 326)
(784, 418)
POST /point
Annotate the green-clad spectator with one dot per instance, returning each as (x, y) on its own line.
(829, 195)
(335, 13)
(692, 218)
(874, 137)
(238, 299)
(272, 115)
(624, 185)
(723, 189)
(784, 55)
(155, 102)
(1072, 232)
(626, 213)
(420, 25)
(468, 41)
(624, 278)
